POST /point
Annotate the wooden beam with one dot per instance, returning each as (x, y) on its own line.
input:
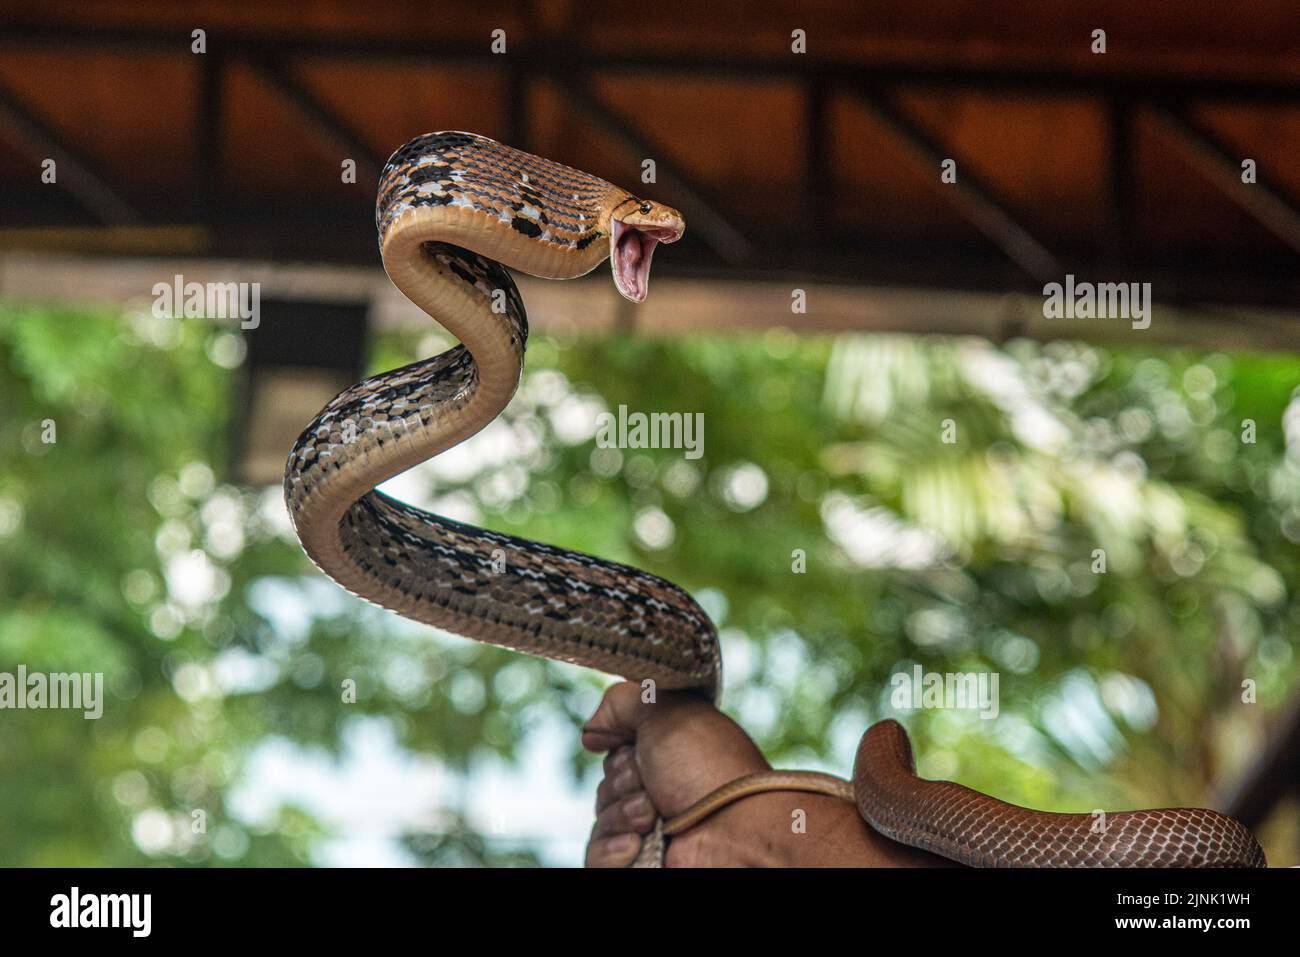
(904, 71)
(333, 130)
(74, 173)
(977, 203)
(676, 306)
(1221, 165)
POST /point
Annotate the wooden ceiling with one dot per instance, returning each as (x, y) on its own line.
(1122, 166)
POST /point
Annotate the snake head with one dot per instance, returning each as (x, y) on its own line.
(637, 227)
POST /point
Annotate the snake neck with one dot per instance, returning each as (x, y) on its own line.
(396, 420)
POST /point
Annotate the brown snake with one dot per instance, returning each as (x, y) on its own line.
(455, 209)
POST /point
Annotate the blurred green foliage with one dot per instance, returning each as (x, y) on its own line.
(124, 549)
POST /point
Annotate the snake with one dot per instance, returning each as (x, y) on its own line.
(455, 212)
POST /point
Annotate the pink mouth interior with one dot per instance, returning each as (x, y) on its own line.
(631, 249)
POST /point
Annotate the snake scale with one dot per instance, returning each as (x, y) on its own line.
(454, 210)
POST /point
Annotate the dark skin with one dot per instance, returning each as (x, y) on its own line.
(663, 757)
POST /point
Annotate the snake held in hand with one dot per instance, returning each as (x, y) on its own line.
(454, 210)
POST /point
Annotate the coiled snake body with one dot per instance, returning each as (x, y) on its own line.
(455, 209)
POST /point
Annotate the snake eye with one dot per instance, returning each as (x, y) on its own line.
(645, 207)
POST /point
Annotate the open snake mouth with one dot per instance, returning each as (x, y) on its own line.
(630, 250)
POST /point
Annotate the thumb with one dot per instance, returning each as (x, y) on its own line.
(684, 746)
(616, 721)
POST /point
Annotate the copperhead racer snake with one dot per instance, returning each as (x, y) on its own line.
(454, 210)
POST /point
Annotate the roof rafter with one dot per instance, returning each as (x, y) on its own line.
(976, 202)
(74, 174)
(1222, 166)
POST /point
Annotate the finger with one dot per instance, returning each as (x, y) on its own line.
(616, 719)
(633, 813)
(617, 851)
(618, 759)
(623, 779)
